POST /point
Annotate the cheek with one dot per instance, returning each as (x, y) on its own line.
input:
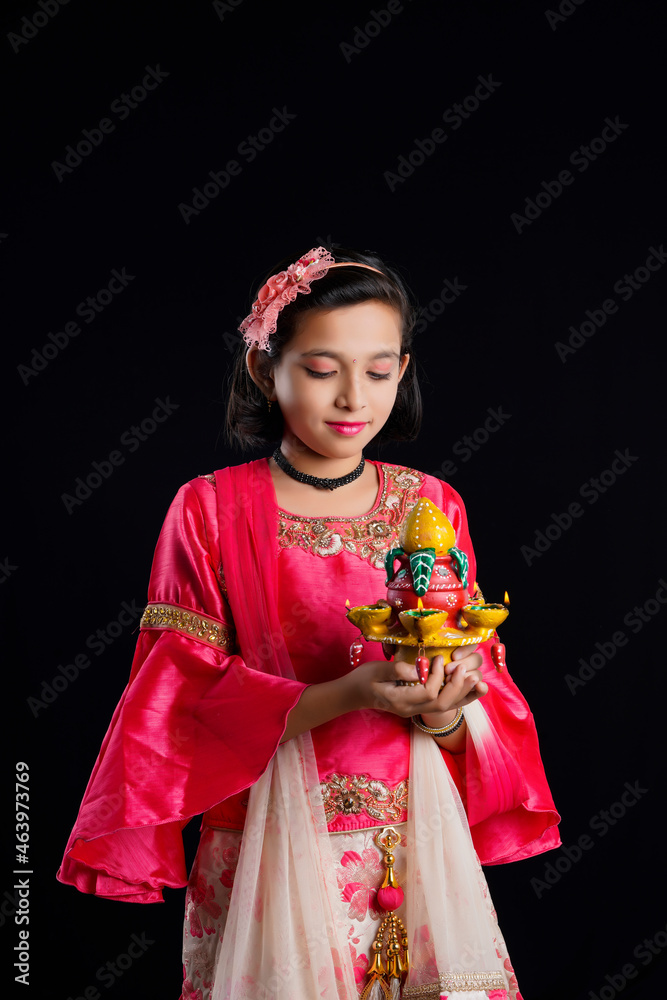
(297, 399)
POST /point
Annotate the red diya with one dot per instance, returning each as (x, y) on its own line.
(428, 610)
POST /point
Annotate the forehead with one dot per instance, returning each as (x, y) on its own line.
(364, 328)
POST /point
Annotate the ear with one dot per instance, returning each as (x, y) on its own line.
(256, 366)
(405, 361)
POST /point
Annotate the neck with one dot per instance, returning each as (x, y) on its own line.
(322, 466)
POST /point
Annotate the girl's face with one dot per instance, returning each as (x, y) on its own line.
(337, 378)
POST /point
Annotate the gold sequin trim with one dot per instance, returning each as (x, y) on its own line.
(369, 536)
(351, 794)
(204, 629)
(463, 981)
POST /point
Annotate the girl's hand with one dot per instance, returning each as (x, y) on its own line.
(376, 687)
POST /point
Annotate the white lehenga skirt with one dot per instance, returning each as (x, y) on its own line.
(359, 874)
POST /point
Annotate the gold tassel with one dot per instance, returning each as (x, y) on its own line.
(385, 983)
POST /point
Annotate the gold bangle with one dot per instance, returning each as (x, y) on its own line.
(445, 731)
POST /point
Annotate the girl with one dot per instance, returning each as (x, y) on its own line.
(318, 782)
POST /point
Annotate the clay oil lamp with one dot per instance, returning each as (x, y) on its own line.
(423, 623)
(484, 615)
(371, 619)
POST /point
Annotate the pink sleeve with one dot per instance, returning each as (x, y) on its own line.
(179, 741)
(501, 777)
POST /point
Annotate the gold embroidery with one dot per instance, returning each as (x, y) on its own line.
(451, 981)
(209, 477)
(351, 794)
(204, 629)
(369, 536)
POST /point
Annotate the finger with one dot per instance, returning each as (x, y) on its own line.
(405, 671)
(452, 692)
(464, 687)
(436, 677)
(462, 651)
(471, 662)
(476, 687)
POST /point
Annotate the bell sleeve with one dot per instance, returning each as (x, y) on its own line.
(508, 802)
(194, 725)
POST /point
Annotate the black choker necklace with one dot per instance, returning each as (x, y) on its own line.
(321, 484)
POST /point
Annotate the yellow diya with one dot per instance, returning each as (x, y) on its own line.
(371, 619)
(484, 615)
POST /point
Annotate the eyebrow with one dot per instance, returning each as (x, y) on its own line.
(337, 357)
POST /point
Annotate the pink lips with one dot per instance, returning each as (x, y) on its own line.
(346, 428)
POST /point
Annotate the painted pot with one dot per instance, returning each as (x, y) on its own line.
(445, 591)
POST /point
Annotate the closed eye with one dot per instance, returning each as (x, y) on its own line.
(373, 375)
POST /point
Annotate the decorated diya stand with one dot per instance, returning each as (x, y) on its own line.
(427, 565)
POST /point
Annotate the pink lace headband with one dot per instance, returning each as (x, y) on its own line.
(283, 288)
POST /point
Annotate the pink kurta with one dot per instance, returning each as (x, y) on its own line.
(179, 742)
(200, 720)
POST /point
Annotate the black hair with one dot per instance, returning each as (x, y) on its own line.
(249, 422)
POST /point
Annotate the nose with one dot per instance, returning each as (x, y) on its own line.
(351, 396)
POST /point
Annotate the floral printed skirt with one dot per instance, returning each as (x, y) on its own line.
(359, 872)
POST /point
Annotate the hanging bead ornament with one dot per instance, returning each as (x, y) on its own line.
(386, 979)
(356, 648)
(356, 652)
(422, 663)
(498, 656)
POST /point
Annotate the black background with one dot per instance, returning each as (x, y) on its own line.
(168, 336)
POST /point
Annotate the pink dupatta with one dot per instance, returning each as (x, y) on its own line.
(285, 936)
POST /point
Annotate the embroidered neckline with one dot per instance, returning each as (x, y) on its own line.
(368, 536)
(334, 518)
